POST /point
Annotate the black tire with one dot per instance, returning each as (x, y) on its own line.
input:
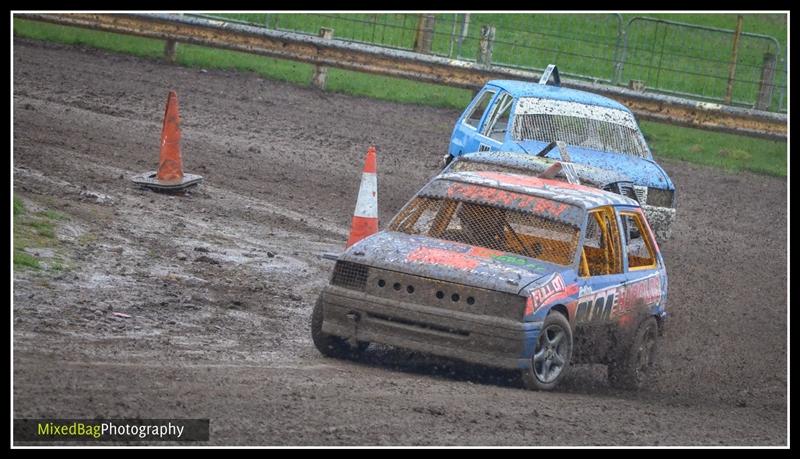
(330, 345)
(552, 354)
(634, 368)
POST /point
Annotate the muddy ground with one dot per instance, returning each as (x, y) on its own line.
(219, 284)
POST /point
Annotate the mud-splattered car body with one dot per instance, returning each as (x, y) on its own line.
(523, 163)
(473, 266)
(523, 117)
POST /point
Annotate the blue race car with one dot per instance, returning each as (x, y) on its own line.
(518, 116)
(505, 270)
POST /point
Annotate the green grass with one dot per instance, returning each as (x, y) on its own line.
(35, 231)
(24, 260)
(721, 150)
(52, 215)
(19, 207)
(730, 152)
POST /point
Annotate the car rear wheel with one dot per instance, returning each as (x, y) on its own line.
(330, 345)
(551, 356)
(634, 370)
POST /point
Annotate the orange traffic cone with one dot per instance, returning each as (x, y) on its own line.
(365, 217)
(170, 165)
(169, 175)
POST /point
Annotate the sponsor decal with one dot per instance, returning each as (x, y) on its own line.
(645, 292)
(552, 287)
(508, 199)
(522, 262)
(597, 306)
(615, 302)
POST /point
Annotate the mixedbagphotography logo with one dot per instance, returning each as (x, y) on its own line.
(111, 429)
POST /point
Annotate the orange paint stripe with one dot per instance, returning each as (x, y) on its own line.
(443, 257)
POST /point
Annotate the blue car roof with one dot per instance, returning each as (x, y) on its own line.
(528, 89)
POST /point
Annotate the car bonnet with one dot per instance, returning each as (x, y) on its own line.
(448, 261)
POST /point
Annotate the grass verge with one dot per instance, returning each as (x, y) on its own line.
(35, 232)
(730, 152)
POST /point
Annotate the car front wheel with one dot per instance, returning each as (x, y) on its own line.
(634, 369)
(552, 355)
(330, 345)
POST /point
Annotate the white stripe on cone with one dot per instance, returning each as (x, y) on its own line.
(367, 203)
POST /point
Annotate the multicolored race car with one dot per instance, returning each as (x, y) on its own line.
(505, 270)
(521, 116)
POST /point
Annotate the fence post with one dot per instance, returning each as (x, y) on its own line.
(485, 45)
(453, 36)
(618, 53)
(767, 83)
(170, 51)
(462, 34)
(424, 38)
(637, 85)
(320, 76)
(732, 67)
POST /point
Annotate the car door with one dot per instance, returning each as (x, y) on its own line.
(494, 129)
(465, 134)
(645, 284)
(600, 281)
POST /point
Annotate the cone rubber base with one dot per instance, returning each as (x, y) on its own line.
(149, 180)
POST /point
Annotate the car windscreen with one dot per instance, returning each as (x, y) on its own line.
(576, 124)
(490, 226)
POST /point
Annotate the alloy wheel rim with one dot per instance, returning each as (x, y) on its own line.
(551, 354)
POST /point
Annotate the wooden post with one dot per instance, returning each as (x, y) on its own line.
(170, 51)
(424, 39)
(732, 67)
(767, 83)
(485, 45)
(463, 34)
(636, 85)
(320, 76)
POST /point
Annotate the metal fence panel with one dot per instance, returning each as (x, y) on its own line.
(691, 60)
(659, 55)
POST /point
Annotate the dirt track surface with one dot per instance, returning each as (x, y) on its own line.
(220, 283)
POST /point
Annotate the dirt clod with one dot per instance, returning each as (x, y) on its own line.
(205, 259)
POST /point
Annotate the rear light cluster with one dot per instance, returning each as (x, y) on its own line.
(660, 198)
(350, 275)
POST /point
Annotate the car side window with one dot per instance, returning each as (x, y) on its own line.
(497, 123)
(640, 251)
(475, 115)
(600, 254)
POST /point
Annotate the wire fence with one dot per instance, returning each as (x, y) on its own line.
(664, 56)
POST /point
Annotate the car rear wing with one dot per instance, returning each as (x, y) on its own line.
(550, 71)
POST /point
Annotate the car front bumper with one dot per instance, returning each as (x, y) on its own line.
(472, 338)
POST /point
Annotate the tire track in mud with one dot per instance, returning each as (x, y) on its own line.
(219, 284)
